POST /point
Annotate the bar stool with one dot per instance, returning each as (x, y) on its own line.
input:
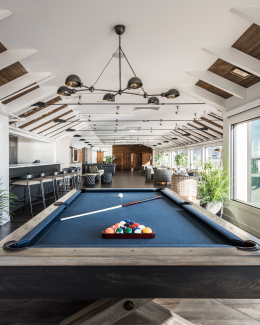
(63, 175)
(79, 178)
(27, 181)
(50, 179)
(71, 175)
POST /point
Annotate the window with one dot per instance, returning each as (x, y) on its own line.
(195, 158)
(246, 161)
(214, 154)
(173, 154)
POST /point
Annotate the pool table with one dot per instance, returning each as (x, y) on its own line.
(194, 254)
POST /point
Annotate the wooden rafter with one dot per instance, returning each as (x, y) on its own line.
(64, 126)
(188, 138)
(57, 117)
(204, 132)
(212, 122)
(9, 100)
(216, 116)
(204, 137)
(208, 127)
(57, 125)
(62, 131)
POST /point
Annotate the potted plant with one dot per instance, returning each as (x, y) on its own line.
(181, 160)
(213, 187)
(159, 158)
(109, 159)
(6, 199)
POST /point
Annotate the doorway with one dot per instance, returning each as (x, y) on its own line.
(126, 161)
(137, 161)
(100, 156)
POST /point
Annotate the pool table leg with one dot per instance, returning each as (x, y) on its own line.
(109, 311)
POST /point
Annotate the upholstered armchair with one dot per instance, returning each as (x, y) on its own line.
(93, 169)
(162, 175)
(149, 174)
(143, 170)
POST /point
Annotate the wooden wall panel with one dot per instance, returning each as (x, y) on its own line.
(100, 156)
(137, 161)
(126, 161)
(119, 150)
(80, 156)
(118, 161)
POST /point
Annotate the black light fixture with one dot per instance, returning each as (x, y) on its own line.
(70, 130)
(92, 146)
(203, 129)
(73, 81)
(186, 135)
(89, 144)
(174, 139)
(77, 136)
(159, 144)
(40, 104)
(65, 91)
(154, 145)
(86, 142)
(153, 101)
(166, 141)
(59, 120)
(82, 139)
(109, 97)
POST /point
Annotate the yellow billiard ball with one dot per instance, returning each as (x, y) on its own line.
(147, 230)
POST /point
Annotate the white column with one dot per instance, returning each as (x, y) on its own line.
(4, 158)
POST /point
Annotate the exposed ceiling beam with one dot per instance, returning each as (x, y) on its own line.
(22, 82)
(216, 117)
(235, 57)
(204, 132)
(4, 14)
(250, 13)
(202, 94)
(211, 122)
(220, 82)
(29, 99)
(11, 56)
(210, 128)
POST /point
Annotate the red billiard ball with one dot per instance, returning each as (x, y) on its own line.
(136, 224)
(109, 231)
(113, 227)
(132, 227)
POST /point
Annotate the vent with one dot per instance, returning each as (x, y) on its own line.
(152, 108)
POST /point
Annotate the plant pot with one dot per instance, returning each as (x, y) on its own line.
(213, 207)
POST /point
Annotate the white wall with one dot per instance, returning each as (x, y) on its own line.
(4, 158)
(30, 150)
(63, 152)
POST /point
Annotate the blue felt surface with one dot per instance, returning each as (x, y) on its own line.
(174, 225)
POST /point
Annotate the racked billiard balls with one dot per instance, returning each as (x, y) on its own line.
(109, 231)
(131, 223)
(137, 231)
(132, 227)
(113, 227)
(127, 220)
(119, 231)
(141, 227)
(127, 225)
(136, 224)
(122, 227)
(128, 231)
(147, 230)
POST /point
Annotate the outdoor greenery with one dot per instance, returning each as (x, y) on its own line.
(159, 158)
(213, 184)
(6, 200)
(181, 160)
(109, 159)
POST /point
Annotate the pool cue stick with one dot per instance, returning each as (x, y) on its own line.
(115, 207)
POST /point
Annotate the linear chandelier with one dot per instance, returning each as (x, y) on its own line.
(73, 81)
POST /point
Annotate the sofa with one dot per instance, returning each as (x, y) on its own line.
(108, 168)
(162, 175)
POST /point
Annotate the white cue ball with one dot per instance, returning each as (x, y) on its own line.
(120, 195)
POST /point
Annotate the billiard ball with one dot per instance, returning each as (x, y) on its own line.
(127, 225)
(136, 224)
(137, 231)
(147, 230)
(128, 231)
(122, 223)
(113, 227)
(132, 227)
(141, 227)
(122, 227)
(109, 231)
(120, 195)
(127, 220)
(117, 225)
(131, 222)
(119, 231)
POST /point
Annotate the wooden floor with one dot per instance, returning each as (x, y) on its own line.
(52, 312)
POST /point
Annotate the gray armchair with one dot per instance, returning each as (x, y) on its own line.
(162, 176)
(143, 170)
(149, 174)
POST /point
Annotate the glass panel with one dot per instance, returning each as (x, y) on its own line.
(246, 160)
(214, 154)
(173, 153)
(195, 158)
(184, 151)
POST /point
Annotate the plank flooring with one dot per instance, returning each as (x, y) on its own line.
(52, 312)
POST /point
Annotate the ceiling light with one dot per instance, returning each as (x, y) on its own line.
(116, 122)
(172, 93)
(186, 135)
(240, 73)
(77, 136)
(70, 130)
(92, 146)
(82, 139)
(159, 144)
(73, 81)
(153, 101)
(40, 104)
(166, 141)
(80, 101)
(134, 83)
(59, 120)
(117, 109)
(94, 126)
(154, 145)
(151, 130)
(86, 142)
(177, 111)
(203, 129)
(65, 91)
(174, 138)
(89, 144)
(89, 118)
(195, 118)
(161, 122)
(109, 97)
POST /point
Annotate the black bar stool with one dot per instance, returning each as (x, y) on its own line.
(27, 181)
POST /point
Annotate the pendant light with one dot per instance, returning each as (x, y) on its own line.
(153, 101)
(109, 97)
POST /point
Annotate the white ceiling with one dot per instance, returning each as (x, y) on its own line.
(163, 39)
